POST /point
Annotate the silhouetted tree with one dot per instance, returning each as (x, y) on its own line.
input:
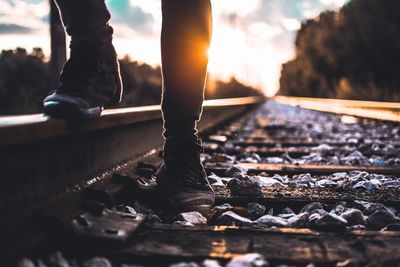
(23, 81)
(352, 53)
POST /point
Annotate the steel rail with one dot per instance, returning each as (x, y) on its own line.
(40, 156)
(348, 102)
(28, 128)
(385, 111)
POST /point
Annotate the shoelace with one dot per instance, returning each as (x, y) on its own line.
(189, 171)
(193, 174)
(184, 159)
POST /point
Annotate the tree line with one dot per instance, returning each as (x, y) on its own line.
(25, 81)
(352, 53)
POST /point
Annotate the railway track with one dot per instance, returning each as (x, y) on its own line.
(387, 111)
(296, 187)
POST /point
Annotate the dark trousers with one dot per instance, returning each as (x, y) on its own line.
(185, 38)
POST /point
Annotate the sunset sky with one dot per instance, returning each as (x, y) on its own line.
(251, 38)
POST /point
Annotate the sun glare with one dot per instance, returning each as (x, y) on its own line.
(245, 45)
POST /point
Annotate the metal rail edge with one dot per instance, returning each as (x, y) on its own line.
(385, 111)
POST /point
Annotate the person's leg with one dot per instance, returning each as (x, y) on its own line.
(185, 38)
(90, 79)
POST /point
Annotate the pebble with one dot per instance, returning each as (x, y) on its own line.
(153, 218)
(25, 263)
(97, 262)
(250, 158)
(309, 208)
(347, 263)
(139, 208)
(222, 158)
(210, 263)
(223, 208)
(361, 205)
(354, 217)
(339, 176)
(380, 218)
(373, 207)
(185, 223)
(354, 158)
(392, 227)
(356, 227)
(232, 219)
(302, 178)
(377, 162)
(274, 160)
(357, 176)
(248, 260)
(325, 183)
(184, 264)
(240, 175)
(338, 210)
(286, 213)
(271, 182)
(270, 212)
(327, 221)
(391, 184)
(57, 260)
(298, 221)
(234, 170)
(128, 209)
(373, 184)
(287, 210)
(270, 220)
(215, 180)
(248, 185)
(193, 218)
(255, 210)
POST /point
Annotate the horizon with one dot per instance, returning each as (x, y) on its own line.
(251, 39)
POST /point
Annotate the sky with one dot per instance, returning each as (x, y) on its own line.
(251, 38)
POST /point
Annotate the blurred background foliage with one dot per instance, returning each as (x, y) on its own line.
(353, 53)
(24, 82)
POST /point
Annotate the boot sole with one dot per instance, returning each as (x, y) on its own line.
(66, 111)
(199, 206)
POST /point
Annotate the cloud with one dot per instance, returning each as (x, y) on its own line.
(127, 13)
(14, 28)
(23, 17)
(269, 28)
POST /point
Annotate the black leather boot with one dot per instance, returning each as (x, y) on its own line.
(90, 80)
(182, 178)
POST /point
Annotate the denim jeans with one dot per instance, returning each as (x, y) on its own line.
(185, 38)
